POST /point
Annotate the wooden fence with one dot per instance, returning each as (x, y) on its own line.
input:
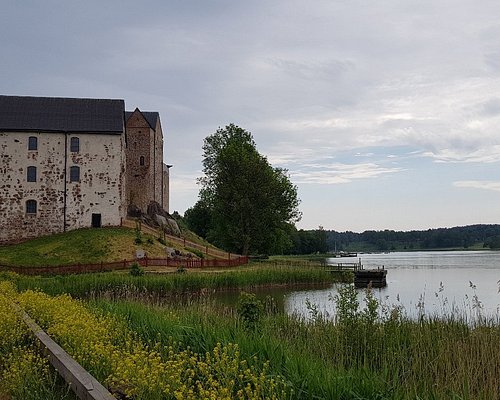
(125, 264)
(211, 251)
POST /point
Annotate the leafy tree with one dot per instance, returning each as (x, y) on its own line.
(248, 203)
(198, 218)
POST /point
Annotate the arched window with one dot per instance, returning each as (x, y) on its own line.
(141, 160)
(31, 174)
(75, 144)
(74, 174)
(31, 207)
(32, 143)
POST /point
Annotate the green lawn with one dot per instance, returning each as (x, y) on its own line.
(79, 246)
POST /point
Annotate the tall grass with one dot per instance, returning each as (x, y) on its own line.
(164, 285)
(361, 358)
(359, 355)
(200, 326)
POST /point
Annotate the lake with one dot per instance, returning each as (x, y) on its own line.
(434, 282)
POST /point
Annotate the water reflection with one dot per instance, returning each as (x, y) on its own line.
(440, 282)
(434, 282)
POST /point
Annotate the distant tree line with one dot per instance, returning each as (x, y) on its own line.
(487, 236)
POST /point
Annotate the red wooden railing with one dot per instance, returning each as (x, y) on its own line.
(125, 264)
(211, 251)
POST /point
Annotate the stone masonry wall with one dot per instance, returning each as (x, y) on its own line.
(100, 189)
(139, 181)
(158, 164)
(48, 190)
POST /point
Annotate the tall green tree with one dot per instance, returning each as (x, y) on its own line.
(250, 203)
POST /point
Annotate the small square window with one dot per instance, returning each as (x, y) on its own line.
(32, 143)
(75, 144)
(31, 207)
(31, 174)
(74, 174)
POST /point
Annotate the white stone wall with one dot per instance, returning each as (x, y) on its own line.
(100, 189)
(101, 181)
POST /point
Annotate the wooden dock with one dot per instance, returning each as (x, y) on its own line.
(344, 266)
(362, 277)
(370, 277)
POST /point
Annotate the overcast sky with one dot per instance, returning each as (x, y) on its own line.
(386, 113)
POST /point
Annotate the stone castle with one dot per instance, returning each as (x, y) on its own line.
(69, 163)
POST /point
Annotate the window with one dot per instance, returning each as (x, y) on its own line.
(141, 160)
(75, 144)
(32, 143)
(31, 174)
(74, 174)
(31, 207)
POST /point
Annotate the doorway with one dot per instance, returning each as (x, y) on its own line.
(96, 220)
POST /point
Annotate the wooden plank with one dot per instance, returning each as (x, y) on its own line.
(85, 386)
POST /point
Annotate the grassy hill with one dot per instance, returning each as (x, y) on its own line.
(82, 246)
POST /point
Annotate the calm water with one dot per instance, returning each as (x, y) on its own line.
(433, 282)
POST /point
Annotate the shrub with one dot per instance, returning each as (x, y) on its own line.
(250, 310)
(136, 270)
(196, 252)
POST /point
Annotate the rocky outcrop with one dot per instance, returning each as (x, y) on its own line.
(156, 217)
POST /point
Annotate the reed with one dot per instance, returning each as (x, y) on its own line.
(369, 353)
(164, 285)
(391, 358)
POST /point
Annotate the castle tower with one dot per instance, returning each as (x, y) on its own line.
(145, 177)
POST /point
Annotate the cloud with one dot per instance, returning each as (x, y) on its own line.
(490, 107)
(313, 70)
(485, 185)
(339, 173)
(483, 155)
(185, 183)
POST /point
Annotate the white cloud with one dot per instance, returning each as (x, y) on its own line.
(339, 173)
(485, 185)
(482, 155)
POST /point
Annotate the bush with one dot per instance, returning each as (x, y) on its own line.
(250, 310)
(196, 252)
(136, 270)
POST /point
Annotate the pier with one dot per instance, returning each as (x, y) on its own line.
(362, 277)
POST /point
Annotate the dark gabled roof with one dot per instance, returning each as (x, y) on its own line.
(58, 114)
(151, 117)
